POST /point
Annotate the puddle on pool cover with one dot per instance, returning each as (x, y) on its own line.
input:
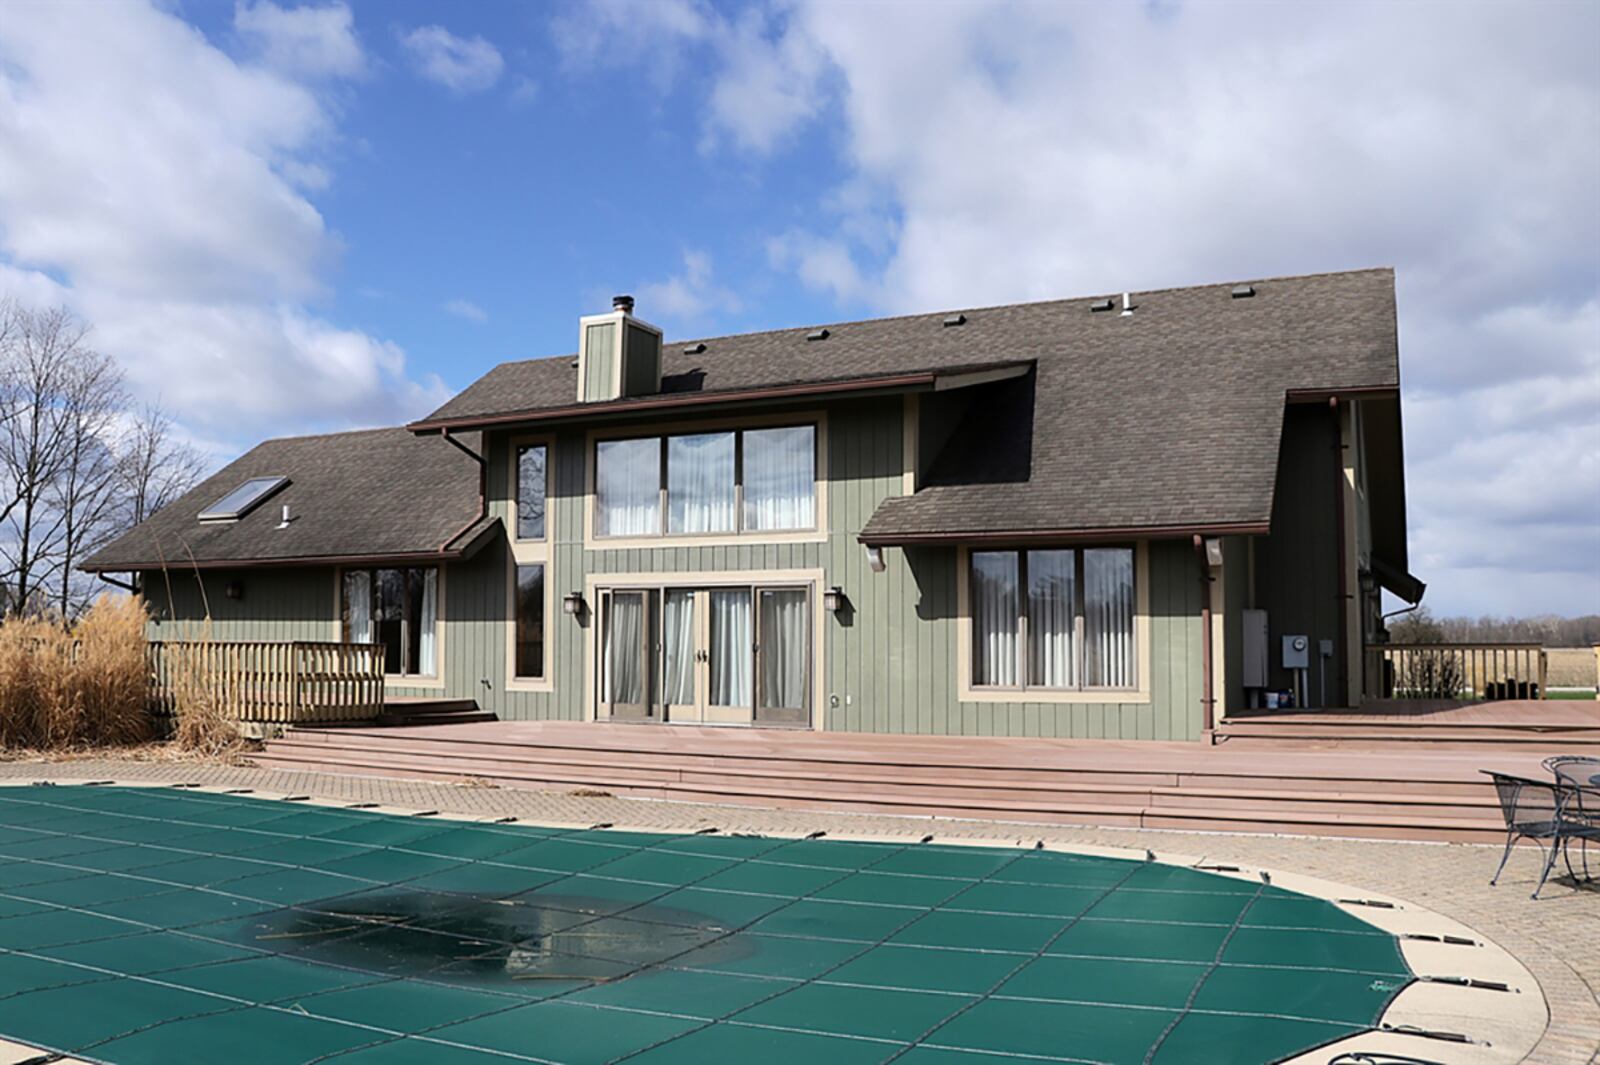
(562, 937)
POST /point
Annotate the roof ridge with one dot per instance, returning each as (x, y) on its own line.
(983, 309)
(328, 436)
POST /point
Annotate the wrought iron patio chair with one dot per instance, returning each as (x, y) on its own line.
(1532, 810)
(1578, 777)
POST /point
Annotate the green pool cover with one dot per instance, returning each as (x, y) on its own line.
(165, 925)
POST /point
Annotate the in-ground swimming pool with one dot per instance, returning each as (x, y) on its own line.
(166, 925)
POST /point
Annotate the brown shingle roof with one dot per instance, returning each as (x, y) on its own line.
(1168, 418)
(379, 493)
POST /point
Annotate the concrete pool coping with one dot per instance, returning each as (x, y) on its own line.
(1515, 1026)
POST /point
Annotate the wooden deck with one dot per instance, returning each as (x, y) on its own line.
(1551, 725)
(1414, 791)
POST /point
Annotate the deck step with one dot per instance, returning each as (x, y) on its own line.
(1438, 796)
(408, 711)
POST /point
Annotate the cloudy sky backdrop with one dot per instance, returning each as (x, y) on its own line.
(287, 219)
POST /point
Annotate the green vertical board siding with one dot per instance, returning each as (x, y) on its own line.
(599, 353)
(889, 657)
(273, 604)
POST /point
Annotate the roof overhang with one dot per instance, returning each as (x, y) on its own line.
(1398, 581)
(1322, 395)
(181, 562)
(1026, 536)
(919, 381)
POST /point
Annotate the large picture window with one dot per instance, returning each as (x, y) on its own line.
(1059, 619)
(710, 483)
(398, 608)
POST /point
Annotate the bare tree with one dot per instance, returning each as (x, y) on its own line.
(47, 369)
(156, 467)
(85, 500)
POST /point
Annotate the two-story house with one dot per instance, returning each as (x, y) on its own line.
(1095, 517)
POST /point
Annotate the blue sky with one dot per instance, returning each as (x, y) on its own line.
(288, 217)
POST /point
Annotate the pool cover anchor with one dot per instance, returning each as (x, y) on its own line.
(1432, 1033)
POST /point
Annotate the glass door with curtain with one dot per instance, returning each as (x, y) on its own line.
(783, 657)
(735, 655)
(627, 624)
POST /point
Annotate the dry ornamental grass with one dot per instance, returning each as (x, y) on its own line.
(85, 685)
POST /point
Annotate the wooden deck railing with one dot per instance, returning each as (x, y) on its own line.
(277, 683)
(1461, 670)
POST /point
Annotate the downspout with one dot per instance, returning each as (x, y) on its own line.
(1338, 519)
(1207, 696)
(483, 487)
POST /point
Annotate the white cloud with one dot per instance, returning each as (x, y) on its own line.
(311, 41)
(460, 64)
(162, 199)
(466, 309)
(687, 300)
(997, 152)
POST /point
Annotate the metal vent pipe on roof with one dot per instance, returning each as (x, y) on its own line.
(1127, 304)
(622, 303)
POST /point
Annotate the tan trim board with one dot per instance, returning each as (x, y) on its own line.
(910, 443)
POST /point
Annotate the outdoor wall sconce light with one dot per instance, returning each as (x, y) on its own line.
(833, 599)
(875, 559)
(234, 590)
(572, 603)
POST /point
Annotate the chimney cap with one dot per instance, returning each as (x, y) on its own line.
(622, 303)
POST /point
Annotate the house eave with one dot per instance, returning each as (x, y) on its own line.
(924, 380)
(1080, 535)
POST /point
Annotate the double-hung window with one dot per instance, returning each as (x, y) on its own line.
(527, 585)
(707, 483)
(1057, 618)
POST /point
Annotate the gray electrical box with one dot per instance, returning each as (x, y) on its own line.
(1254, 666)
(1296, 652)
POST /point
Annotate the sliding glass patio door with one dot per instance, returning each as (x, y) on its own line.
(733, 655)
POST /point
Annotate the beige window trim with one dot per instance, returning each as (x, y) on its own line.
(819, 534)
(436, 679)
(910, 442)
(812, 578)
(967, 692)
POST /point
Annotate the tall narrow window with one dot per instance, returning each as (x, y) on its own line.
(994, 618)
(628, 487)
(780, 478)
(1053, 619)
(700, 483)
(530, 621)
(530, 491)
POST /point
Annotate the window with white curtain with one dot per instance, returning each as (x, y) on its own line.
(701, 484)
(628, 487)
(398, 608)
(780, 478)
(1054, 618)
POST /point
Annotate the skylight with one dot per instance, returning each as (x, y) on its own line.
(239, 502)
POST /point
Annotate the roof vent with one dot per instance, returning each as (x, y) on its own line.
(622, 303)
(1101, 305)
(1243, 292)
(694, 349)
(955, 319)
(1127, 305)
(287, 519)
(819, 334)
